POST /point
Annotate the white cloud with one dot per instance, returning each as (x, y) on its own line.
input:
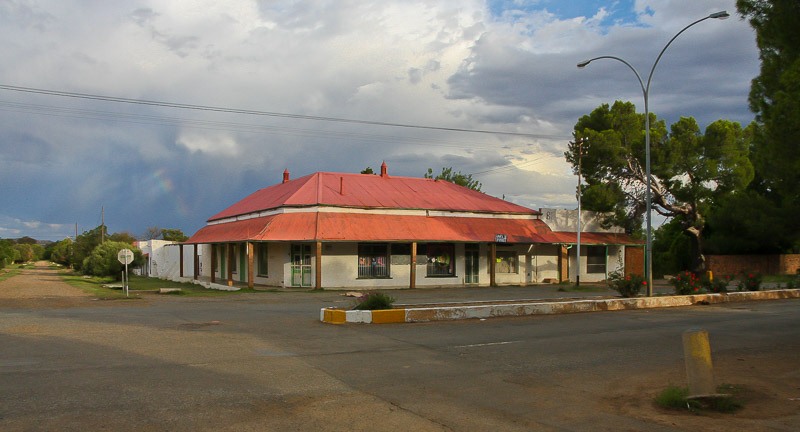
(449, 63)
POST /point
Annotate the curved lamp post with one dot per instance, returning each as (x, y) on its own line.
(648, 269)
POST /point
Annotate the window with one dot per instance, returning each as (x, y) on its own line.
(373, 260)
(596, 259)
(262, 257)
(507, 262)
(441, 259)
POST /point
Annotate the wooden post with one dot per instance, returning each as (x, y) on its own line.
(318, 265)
(229, 254)
(250, 261)
(180, 260)
(213, 263)
(492, 264)
(196, 262)
(413, 283)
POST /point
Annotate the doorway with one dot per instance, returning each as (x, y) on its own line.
(301, 265)
(471, 263)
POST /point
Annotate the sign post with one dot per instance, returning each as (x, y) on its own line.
(125, 256)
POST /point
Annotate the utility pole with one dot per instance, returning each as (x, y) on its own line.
(102, 224)
(579, 142)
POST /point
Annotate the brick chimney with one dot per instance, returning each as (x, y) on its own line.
(285, 175)
(384, 172)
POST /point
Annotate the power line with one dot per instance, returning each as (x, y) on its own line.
(222, 125)
(259, 113)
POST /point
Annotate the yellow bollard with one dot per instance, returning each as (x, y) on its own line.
(710, 276)
(699, 370)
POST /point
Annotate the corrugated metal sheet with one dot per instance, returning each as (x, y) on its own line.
(370, 191)
(595, 238)
(371, 227)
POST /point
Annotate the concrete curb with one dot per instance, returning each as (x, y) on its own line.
(537, 307)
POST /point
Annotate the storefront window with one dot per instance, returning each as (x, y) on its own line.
(441, 259)
(373, 260)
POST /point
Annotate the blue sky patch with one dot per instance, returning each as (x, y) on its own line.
(620, 12)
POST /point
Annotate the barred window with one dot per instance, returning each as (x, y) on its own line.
(441, 259)
(373, 260)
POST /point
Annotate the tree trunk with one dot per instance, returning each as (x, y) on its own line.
(698, 265)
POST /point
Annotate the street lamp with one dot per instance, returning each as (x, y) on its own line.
(648, 267)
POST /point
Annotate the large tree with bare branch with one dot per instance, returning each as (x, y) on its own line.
(689, 169)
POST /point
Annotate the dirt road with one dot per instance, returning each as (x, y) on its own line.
(40, 287)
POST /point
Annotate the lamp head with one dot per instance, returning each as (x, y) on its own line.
(583, 64)
(720, 15)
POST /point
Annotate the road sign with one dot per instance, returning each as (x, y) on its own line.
(125, 256)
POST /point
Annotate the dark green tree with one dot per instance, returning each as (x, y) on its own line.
(689, 170)
(102, 261)
(367, 170)
(7, 252)
(61, 252)
(775, 100)
(173, 234)
(458, 178)
(85, 243)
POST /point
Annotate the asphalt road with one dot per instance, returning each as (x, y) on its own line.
(264, 362)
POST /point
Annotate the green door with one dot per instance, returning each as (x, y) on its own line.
(301, 265)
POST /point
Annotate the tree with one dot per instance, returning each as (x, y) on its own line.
(775, 100)
(173, 234)
(367, 170)
(102, 261)
(458, 178)
(61, 252)
(689, 170)
(152, 233)
(85, 243)
(7, 252)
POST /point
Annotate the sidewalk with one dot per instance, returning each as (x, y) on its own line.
(446, 304)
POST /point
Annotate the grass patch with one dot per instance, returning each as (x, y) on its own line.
(94, 286)
(677, 398)
(8, 273)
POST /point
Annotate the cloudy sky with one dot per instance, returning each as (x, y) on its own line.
(267, 82)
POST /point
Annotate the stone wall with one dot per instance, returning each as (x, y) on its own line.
(765, 264)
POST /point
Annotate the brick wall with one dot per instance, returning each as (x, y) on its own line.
(765, 264)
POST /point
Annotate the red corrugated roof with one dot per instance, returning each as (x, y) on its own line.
(374, 227)
(595, 238)
(370, 192)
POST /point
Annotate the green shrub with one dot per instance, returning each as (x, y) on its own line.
(750, 281)
(626, 286)
(687, 283)
(374, 301)
(718, 284)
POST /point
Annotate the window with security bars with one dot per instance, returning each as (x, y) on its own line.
(373, 260)
(441, 259)
(596, 259)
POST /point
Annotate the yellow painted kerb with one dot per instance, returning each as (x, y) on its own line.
(389, 316)
(334, 316)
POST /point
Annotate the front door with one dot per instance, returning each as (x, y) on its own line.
(471, 263)
(301, 265)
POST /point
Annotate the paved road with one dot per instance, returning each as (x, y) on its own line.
(264, 362)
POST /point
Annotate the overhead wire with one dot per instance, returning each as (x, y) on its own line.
(261, 113)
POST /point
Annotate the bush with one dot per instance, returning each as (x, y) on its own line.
(750, 281)
(626, 286)
(103, 260)
(687, 283)
(718, 284)
(374, 301)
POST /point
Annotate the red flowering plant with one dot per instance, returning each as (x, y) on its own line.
(750, 281)
(626, 286)
(686, 283)
(718, 284)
